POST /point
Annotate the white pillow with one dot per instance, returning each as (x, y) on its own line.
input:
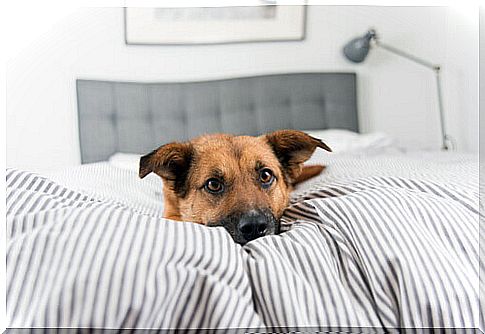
(348, 141)
(125, 161)
(339, 141)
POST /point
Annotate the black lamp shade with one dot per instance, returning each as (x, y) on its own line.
(357, 49)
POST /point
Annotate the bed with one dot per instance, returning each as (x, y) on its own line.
(384, 240)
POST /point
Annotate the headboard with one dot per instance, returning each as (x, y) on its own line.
(137, 117)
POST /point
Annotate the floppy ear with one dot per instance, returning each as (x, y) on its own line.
(171, 162)
(293, 148)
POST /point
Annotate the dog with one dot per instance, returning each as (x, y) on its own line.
(242, 183)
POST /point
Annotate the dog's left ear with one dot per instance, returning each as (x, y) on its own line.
(293, 148)
(171, 162)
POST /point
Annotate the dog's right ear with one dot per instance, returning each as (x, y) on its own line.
(171, 161)
(293, 148)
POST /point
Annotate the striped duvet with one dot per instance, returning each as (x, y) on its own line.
(379, 242)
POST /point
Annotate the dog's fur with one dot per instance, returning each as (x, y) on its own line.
(237, 162)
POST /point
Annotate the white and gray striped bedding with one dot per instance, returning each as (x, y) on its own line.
(378, 241)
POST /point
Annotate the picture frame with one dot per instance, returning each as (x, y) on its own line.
(214, 25)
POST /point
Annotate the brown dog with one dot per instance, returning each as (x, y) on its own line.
(242, 183)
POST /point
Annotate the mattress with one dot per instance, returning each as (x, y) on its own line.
(378, 241)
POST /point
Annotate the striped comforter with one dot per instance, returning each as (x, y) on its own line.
(377, 242)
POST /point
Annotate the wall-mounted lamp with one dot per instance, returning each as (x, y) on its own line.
(357, 50)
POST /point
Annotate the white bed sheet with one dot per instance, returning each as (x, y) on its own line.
(117, 179)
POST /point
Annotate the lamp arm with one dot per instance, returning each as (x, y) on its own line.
(446, 141)
(407, 55)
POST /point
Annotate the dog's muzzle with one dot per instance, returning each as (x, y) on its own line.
(250, 225)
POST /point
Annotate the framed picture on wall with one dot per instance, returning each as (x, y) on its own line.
(215, 25)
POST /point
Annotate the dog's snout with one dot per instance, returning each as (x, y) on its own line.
(249, 225)
(253, 224)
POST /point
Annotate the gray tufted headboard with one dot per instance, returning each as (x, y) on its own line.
(135, 117)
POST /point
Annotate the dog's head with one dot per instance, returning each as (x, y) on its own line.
(239, 182)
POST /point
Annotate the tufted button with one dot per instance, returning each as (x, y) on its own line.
(183, 116)
(112, 117)
(149, 116)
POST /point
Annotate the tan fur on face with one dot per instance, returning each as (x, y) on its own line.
(237, 160)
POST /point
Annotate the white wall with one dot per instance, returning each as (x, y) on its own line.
(395, 95)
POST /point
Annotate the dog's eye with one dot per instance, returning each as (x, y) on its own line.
(214, 186)
(266, 177)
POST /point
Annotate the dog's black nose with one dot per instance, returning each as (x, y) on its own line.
(253, 224)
